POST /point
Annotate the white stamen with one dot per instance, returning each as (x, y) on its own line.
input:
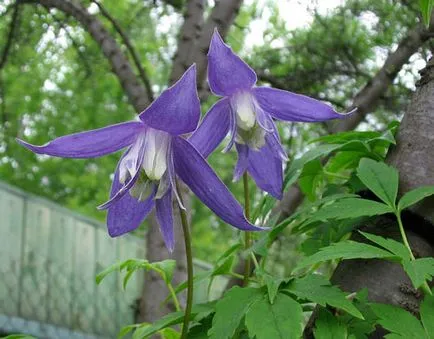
(245, 111)
(155, 159)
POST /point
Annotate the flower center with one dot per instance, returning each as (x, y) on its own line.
(155, 157)
(244, 111)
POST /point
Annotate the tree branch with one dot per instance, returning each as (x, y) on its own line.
(189, 34)
(12, 27)
(135, 92)
(130, 48)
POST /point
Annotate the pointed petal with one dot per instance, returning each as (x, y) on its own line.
(177, 109)
(193, 169)
(227, 73)
(242, 162)
(266, 169)
(288, 106)
(90, 144)
(164, 210)
(213, 128)
(127, 214)
(273, 142)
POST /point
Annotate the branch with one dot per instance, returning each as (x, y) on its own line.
(367, 99)
(189, 34)
(12, 27)
(130, 48)
(135, 92)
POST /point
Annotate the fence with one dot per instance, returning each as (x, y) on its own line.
(49, 257)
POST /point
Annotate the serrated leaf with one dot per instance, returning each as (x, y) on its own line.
(281, 320)
(398, 321)
(318, 289)
(389, 244)
(427, 315)
(414, 196)
(231, 309)
(297, 165)
(419, 270)
(328, 326)
(347, 249)
(271, 282)
(351, 208)
(344, 137)
(380, 178)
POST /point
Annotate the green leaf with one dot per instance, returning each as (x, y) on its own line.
(389, 244)
(310, 177)
(146, 330)
(327, 326)
(231, 309)
(427, 315)
(316, 288)
(126, 329)
(167, 267)
(398, 321)
(426, 7)
(19, 336)
(112, 268)
(297, 165)
(419, 270)
(349, 209)
(414, 196)
(381, 179)
(271, 282)
(347, 249)
(281, 320)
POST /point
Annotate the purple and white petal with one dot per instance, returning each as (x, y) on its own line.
(213, 128)
(177, 109)
(288, 106)
(227, 72)
(90, 144)
(266, 169)
(273, 142)
(193, 169)
(242, 162)
(164, 211)
(131, 162)
(127, 213)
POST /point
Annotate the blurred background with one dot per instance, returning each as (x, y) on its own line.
(57, 77)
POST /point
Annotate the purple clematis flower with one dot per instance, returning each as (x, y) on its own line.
(246, 112)
(156, 154)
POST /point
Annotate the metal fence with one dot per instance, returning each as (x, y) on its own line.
(49, 257)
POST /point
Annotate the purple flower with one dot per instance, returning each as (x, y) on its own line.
(156, 154)
(246, 112)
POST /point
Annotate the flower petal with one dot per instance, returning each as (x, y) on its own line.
(193, 169)
(164, 210)
(127, 214)
(242, 162)
(227, 72)
(177, 109)
(266, 169)
(90, 144)
(213, 128)
(136, 153)
(290, 106)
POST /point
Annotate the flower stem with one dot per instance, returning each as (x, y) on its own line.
(247, 238)
(425, 286)
(187, 241)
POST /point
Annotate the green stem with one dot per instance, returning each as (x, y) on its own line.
(247, 239)
(425, 286)
(171, 291)
(187, 241)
